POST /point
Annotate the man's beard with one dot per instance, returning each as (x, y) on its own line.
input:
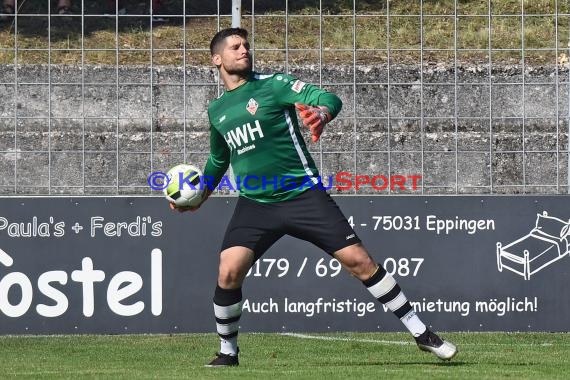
(240, 71)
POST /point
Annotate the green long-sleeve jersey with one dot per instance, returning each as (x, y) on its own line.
(255, 128)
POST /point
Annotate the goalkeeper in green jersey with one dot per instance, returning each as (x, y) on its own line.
(254, 127)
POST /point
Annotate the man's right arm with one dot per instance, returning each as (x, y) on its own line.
(218, 160)
(216, 166)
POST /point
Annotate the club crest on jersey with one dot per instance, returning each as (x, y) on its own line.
(252, 106)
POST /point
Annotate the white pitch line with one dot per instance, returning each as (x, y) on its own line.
(318, 337)
(403, 343)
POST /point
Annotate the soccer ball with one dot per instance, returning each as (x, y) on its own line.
(184, 187)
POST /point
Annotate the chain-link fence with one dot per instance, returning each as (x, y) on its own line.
(471, 96)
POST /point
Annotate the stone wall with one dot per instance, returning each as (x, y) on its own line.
(61, 129)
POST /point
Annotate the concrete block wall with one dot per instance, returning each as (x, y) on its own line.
(103, 130)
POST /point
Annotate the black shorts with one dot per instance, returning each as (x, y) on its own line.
(312, 216)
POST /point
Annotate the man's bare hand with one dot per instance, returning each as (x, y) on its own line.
(182, 208)
(205, 195)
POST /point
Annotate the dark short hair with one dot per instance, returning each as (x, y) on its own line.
(223, 34)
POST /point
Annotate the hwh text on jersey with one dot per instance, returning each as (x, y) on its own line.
(243, 135)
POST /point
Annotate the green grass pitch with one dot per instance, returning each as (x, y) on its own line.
(278, 356)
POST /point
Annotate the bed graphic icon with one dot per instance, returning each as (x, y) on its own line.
(546, 243)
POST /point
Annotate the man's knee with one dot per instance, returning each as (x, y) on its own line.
(230, 277)
(234, 264)
(357, 261)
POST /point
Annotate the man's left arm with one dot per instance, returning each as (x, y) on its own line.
(316, 106)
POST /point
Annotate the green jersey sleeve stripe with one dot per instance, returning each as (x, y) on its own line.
(302, 157)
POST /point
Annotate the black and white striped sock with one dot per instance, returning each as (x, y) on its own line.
(227, 310)
(387, 291)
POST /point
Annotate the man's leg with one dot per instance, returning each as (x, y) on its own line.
(254, 228)
(234, 264)
(386, 290)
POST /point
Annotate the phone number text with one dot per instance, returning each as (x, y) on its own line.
(327, 267)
